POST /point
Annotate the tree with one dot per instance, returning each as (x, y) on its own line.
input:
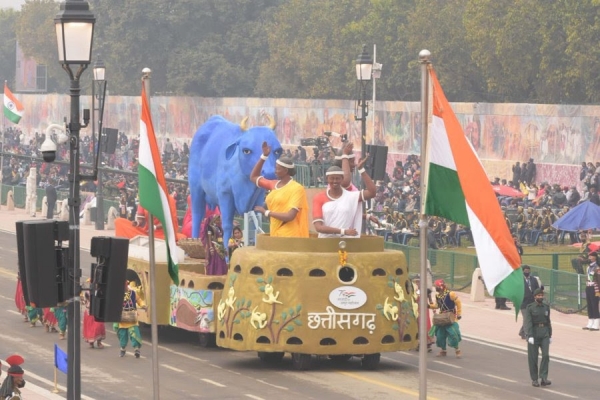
(312, 49)
(443, 33)
(8, 45)
(37, 38)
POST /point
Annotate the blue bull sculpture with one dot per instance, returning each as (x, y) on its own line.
(222, 156)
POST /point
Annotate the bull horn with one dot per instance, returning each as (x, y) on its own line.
(244, 124)
(272, 123)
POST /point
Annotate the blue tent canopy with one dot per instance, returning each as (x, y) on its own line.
(582, 217)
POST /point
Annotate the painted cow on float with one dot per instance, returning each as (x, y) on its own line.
(222, 156)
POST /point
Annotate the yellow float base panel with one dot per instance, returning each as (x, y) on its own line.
(307, 296)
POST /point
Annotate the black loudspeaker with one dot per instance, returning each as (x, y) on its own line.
(109, 140)
(107, 288)
(40, 263)
(66, 289)
(377, 162)
(21, 260)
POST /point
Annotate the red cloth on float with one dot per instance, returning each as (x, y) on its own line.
(125, 228)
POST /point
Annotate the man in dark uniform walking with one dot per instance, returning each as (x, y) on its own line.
(51, 198)
(539, 333)
(531, 285)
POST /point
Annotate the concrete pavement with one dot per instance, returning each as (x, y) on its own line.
(480, 320)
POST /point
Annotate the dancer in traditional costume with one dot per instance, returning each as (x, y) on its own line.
(34, 315)
(211, 235)
(447, 302)
(49, 320)
(94, 332)
(129, 330)
(60, 312)
(20, 299)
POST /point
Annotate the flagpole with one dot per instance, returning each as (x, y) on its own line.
(153, 326)
(55, 390)
(374, 90)
(423, 304)
(3, 148)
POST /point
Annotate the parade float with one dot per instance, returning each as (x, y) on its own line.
(334, 297)
(189, 305)
(326, 297)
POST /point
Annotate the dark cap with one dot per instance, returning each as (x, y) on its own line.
(593, 253)
(526, 267)
(538, 291)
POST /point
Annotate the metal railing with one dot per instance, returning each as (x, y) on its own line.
(565, 289)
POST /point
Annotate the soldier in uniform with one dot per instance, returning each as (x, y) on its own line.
(520, 222)
(507, 220)
(14, 380)
(548, 219)
(536, 228)
(525, 231)
(539, 335)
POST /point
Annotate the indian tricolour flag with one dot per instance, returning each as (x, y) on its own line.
(457, 188)
(153, 188)
(13, 109)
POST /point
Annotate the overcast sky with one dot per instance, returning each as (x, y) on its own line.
(16, 4)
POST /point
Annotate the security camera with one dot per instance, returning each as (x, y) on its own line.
(48, 149)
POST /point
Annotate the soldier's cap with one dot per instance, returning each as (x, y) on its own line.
(538, 291)
(526, 267)
(593, 253)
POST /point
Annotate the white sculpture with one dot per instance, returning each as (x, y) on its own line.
(10, 201)
(112, 215)
(64, 210)
(31, 190)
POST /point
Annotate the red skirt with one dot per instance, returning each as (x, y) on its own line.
(20, 299)
(49, 318)
(92, 329)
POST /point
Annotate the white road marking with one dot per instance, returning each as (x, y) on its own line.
(270, 384)
(554, 360)
(5, 298)
(254, 397)
(168, 350)
(213, 383)
(560, 393)
(448, 364)
(501, 378)
(172, 368)
(13, 312)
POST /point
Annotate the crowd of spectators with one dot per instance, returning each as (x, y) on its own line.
(529, 215)
(118, 170)
(529, 210)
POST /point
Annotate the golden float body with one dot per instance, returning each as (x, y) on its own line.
(307, 296)
(190, 305)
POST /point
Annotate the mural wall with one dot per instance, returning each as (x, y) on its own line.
(557, 137)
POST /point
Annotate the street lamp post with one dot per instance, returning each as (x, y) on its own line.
(74, 32)
(99, 93)
(364, 67)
